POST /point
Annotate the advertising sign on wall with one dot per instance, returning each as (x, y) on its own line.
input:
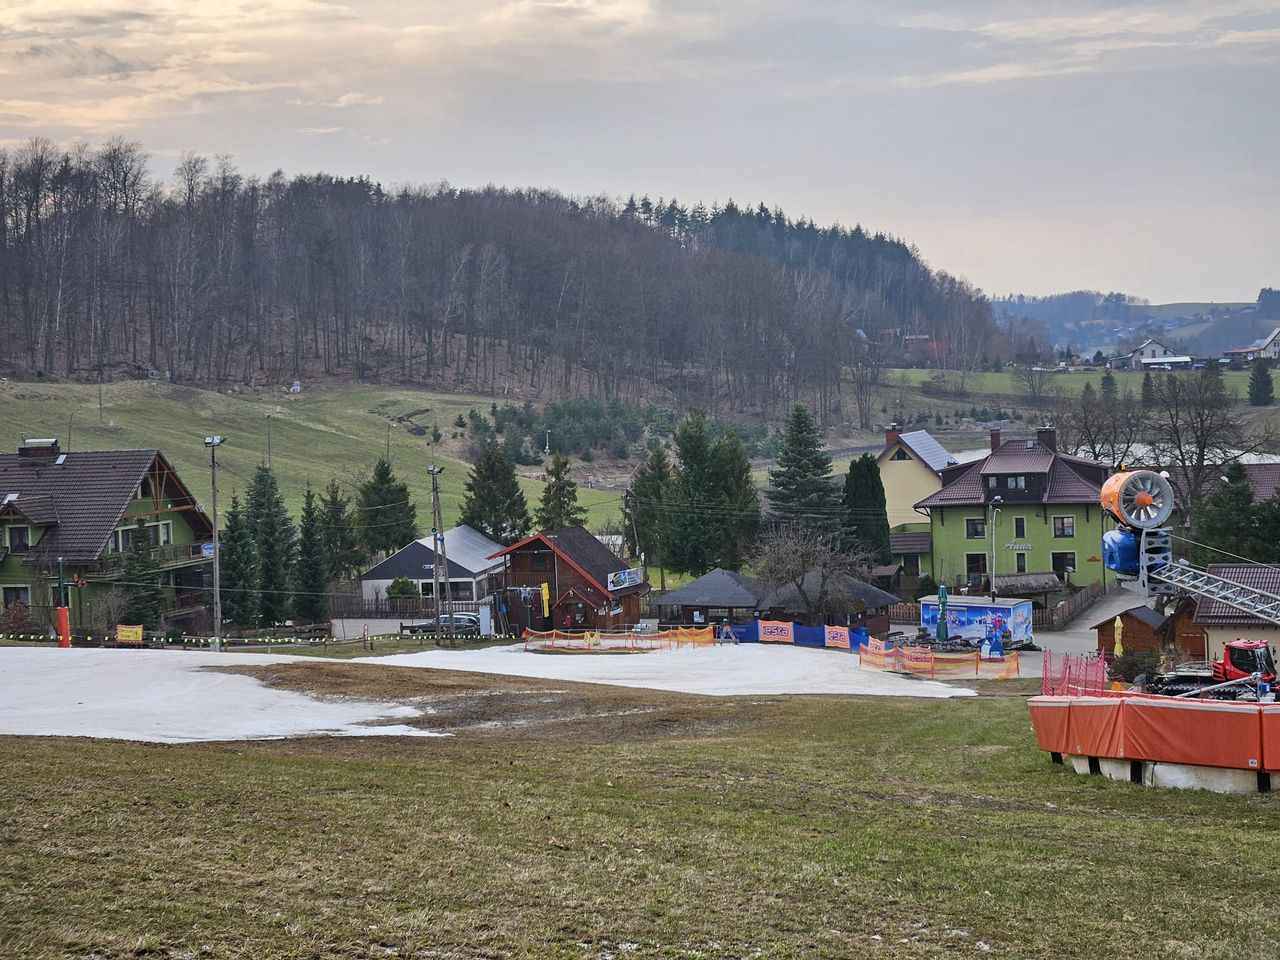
(776, 631)
(621, 579)
(1008, 623)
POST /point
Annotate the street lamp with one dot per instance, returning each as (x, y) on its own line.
(213, 443)
(993, 511)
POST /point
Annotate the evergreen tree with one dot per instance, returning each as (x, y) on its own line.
(140, 576)
(494, 503)
(1108, 391)
(311, 572)
(1261, 388)
(1148, 391)
(1228, 519)
(642, 508)
(866, 514)
(276, 539)
(692, 535)
(559, 505)
(731, 478)
(338, 533)
(239, 568)
(387, 518)
(802, 491)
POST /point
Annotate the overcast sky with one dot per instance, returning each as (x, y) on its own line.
(1127, 146)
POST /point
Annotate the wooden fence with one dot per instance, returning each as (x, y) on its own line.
(1051, 618)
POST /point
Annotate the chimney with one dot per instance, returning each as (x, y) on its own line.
(42, 449)
(1048, 437)
(995, 439)
(892, 433)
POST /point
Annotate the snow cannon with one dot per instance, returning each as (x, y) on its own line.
(1138, 499)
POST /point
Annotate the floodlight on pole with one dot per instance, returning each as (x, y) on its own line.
(213, 443)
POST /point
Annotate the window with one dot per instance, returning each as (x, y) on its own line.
(20, 540)
(17, 595)
(1017, 483)
(166, 533)
(1064, 526)
(1021, 565)
(900, 454)
(975, 568)
(1019, 528)
(540, 560)
(1063, 563)
(911, 564)
(991, 482)
(975, 528)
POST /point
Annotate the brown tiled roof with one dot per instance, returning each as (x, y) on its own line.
(719, 588)
(1256, 575)
(581, 548)
(1066, 482)
(1067, 486)
(1018, 456)
(966, 489)
(83, 497)
(39, 509)
(911, 541)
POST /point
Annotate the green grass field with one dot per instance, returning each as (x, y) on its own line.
(573, 821)
(1002, 384)
(315, 435)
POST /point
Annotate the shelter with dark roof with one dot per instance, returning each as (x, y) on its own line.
(587, 586)
(713, 598)
(1144, 628)
(1048, 526)
(1222, 622)
(84, 509)
(853, 602)
(472, 574)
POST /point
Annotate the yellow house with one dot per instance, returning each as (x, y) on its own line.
(911, 467)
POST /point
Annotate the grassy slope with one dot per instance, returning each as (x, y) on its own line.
(671, 827)
(1001, 385)
(314, 436)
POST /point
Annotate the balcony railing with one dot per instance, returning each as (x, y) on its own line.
(169, 555)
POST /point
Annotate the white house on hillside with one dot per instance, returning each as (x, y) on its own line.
(468, 552)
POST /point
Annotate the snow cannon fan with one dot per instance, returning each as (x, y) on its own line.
(1138, 499)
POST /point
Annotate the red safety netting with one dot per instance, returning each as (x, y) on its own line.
(599, 641)
(1073, 674)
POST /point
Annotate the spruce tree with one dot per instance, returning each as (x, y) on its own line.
(276, 540)
(239, 568)
(1148, 391)
(1261, 387)
(866, 514)
(338, 532)
(387, 518)
(694, 517)
(140, 577)
(642, 508)
(802, 491)
(494, 503)
(311, 580)
(731, 478)
(1228, 520)
(559, 505)
(1108, 390)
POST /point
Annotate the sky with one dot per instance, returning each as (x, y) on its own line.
(1028, 147)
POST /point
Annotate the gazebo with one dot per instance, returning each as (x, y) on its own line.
(714, 597)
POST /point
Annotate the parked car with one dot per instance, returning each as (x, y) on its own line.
(453, 624)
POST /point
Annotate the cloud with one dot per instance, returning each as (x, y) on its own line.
(317, 131)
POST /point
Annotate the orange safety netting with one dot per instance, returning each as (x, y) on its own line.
(923, 662)
(599, 641)
(1073, 675)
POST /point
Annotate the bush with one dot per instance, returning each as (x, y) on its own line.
(402, 588)
(925, 588)
(1133, 663)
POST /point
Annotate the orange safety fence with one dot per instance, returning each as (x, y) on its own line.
(600, 641)
(1073, 675)
(923, 662)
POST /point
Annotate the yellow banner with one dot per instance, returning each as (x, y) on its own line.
(546, 599)
(129, 634)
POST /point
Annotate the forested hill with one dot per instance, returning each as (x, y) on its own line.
(214, 276)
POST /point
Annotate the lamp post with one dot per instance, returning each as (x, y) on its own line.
(213, 443)
(993, 511)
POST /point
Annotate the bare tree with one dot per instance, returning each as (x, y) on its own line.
(1033, 380)
(814, 566)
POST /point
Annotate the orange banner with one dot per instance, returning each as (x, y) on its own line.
(838, 637)
(776, 631)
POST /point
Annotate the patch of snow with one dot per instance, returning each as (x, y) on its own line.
(164, 696)
(730, 670)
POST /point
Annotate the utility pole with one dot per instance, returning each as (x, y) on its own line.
(213, 443)
(993, 511)
(437, 548)
(268, 441)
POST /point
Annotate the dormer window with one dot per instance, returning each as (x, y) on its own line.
(19, 539)
(900, 454)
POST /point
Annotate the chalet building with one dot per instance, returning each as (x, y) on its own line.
(1147, 629)
(82, 509)
(911, 466)
(587, 586)
(1048, 531)
(472, 574)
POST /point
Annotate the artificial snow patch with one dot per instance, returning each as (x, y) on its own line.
(164, 696)
(728, 670)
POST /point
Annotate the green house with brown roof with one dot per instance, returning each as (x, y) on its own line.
(1047, 535)
(80, 511)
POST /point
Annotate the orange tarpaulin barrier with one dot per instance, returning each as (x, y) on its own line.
(1270, 722)
(1095, 727)
(1206, 733)
(1049, 720)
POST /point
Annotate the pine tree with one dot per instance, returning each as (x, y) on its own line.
(494, 503)
(642, 508)
(387, 518)
(1148, 391)
(1109, 391)
(559, 505)
(276, 539)
(731, 477)
(311, 579)
(1228, 520)
(1262, 389)
(338, 533)
(866, 514)
(802, 491)
(239, 568)
(693, 518)
(140, 577)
